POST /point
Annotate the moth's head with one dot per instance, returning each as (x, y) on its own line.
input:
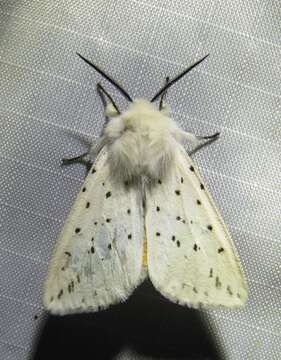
(111, 108)
(138, 106)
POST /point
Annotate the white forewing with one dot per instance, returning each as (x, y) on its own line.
(98, 257)
(191, 256)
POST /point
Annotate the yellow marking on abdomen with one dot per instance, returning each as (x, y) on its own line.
(144, 256)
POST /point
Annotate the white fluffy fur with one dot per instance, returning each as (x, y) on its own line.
(191, 257)
(142, 142)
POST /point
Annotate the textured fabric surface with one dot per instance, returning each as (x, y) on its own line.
(49, 109)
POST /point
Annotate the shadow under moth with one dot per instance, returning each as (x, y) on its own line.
(143, 211)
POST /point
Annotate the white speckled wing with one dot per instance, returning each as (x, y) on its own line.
(98, 257)
(191, 257)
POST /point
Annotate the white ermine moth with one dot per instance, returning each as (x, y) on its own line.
(143, 211)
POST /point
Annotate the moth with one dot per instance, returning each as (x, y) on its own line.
(143, 211)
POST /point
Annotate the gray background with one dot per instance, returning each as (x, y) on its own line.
(48, 107)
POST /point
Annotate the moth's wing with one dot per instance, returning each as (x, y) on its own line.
(191, 257)
(98, 257)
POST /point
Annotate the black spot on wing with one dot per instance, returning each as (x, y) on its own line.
(198, 202)
(92, 250)
(96, 223)
(158, 234)
(130, 236)
(60, 293)
(209, 227)
(77, 230)
(218, 282)
(84, 189)
(178, 218)
(177, 192)
(157, 208)
(211, 273)
(178, 243)
(67, 253)
(191, 168)
(195, 290)
(108, 220)
(109, 246)
(159, 182)
(93, 170)
(228, 289)
(129, 211)
(195, 247)
(220, 250)
(181, 179)
(173, 238)
(87, 204)
(108, 194)
(202, 186)
(78, 278)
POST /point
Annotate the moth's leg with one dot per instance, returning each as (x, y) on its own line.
(101, 95)
(79, 158)
(111, 109)
(97, 146)
(162, 99)
(93, 151)
(196, 141)
(209, 137)
(182, 135)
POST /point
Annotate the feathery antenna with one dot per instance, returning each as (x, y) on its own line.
(178, 77)
(113, 82)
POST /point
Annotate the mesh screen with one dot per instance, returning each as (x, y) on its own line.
(49, 109)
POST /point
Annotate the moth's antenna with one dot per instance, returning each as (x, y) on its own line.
(163, 95)
(113, 82)
(165, 87)
(102, 90)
